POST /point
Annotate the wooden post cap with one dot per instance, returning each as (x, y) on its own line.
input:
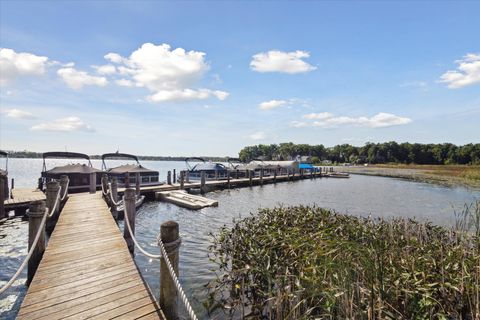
(129, 194)
(36, 208)
(169, 231)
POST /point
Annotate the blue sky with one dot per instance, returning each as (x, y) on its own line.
(207, 78)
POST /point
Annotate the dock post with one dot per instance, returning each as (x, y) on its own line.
(93, 182)
(63, 188)
(275, 176)
(250, 177)
(261, 177)
(169, 177)
(127, 180)
(35, 214)
(182, 179)
(187, 179)
(216, 174)
(174, 176)
(228, 180)
(202, 182)
(137, 183)
(169, 235)
(129, 202)
(288, 174)
(3, 178)
(51, 196)
(104, 184)
(114, 186)
(236, 174)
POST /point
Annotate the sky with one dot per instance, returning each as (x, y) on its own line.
(208, 78)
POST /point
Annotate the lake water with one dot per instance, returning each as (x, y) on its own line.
(359, 195)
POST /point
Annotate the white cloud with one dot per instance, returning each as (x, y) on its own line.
(168, 73)
(321, 115)
(114, 57)
(13, 64)
(186, 95)
(260, 135)
(421, 85)
(267, 105)
(18, 114)
(278, 61)
(64, 124)
(328, 120)
(125, 83)
(105, 69)
(76, 79)
(467, 73)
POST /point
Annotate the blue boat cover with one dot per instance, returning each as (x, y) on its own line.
(305, 166)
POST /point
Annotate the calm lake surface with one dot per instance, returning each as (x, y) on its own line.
(359, 195)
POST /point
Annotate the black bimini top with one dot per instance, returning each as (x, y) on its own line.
(73, 168)
(69, 168)
(130, 168)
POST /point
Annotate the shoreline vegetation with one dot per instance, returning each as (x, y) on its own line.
(448, 175)
(312, 263)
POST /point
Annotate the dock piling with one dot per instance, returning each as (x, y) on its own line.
(275, 176)
(3, 192)
(93, 182)
(137, 183)
(36, 212)
(105, 183)
(52, 191)
(250, 177)
(261, 177)
(169, 235)
(202, 182)
(129, 203)
(169, 177)
(182, 180)
(114, 186)
(174, 176)
(228, 180)
(127, 180)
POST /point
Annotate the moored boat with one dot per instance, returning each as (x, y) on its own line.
(79, 174)
(212, 170)
(148, 177)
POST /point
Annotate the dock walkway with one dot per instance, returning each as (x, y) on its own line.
(87, 270)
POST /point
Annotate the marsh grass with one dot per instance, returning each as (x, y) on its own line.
(312, 263)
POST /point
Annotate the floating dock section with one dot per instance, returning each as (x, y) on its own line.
(185, 200)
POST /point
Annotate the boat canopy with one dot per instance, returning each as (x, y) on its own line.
(72, 168)
(68, 155)
(305, 166)
(130, 168)
(5, 154)
(259, 164)
(237, 164)
(209, 166)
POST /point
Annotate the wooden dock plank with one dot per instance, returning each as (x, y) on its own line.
(87, 269)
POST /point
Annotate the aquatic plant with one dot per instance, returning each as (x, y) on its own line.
(308, 262)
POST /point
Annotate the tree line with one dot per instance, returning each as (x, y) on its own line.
(387, 152)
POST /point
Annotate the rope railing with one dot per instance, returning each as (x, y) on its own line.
(47, 214)
(115, 203)
(163, 254)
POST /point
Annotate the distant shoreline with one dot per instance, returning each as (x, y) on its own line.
(447, 175)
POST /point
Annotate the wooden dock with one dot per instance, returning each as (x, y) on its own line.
(224, 183)
(22, 198)
(87, 270)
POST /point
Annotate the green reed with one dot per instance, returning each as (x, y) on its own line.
(312, 263)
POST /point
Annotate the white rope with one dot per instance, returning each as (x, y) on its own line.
(57, 200)
(65, 192)
(185, 301)
(163, 254)
(111, 196)
(29, 255)
(153, 256)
